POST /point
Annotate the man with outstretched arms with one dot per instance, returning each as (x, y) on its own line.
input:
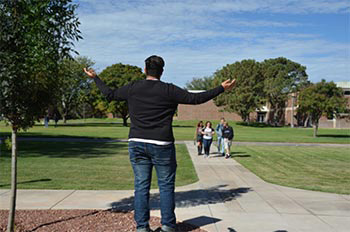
(152, 104)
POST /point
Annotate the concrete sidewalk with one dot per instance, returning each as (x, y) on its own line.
(228, 197)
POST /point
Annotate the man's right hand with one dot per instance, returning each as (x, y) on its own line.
(228, 84)
(90, 72)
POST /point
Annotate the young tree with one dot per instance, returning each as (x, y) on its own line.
(248, 93)
(115, 76)
(204, 83)
(35, 35)
(73, 85)
(281, 75)
(323, 98)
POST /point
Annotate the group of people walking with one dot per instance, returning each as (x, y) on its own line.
(204, 137)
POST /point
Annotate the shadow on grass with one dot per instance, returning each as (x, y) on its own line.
(183, 126)
(68, 149)
(93, 124)
(4, 135)
(26, 182)
(184, 199)
(333, 136)
(240, 154)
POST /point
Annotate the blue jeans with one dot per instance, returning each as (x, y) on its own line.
(221, 145)
(143, 156)
(206, 144)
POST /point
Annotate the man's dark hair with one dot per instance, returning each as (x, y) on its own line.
(154, 66)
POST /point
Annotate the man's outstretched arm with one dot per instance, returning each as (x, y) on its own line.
(118, 94)
(182, 96)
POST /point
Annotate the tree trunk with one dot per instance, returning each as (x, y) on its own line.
(125, 121)
(12, 210)
(315, 129)
(64, 117)
(271, 116)
(243, 116)
(307, 121)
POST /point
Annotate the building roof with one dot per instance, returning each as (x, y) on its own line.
(343, 84)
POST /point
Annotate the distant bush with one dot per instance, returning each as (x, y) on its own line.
(255, 124)
(6, 144)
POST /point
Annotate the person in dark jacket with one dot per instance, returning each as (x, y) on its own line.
(152, 105)
(199, 136)
(227, 134)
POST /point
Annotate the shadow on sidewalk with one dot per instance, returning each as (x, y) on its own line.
(201, 221)
(184, 199)
(233, 154)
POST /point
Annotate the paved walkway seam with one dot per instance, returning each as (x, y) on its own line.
(63, 199)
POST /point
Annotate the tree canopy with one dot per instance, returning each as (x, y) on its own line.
(281, 77)
(115, 76)
(247, 95)
(204, 83)
(322, 98)
(35, 35)
(74, 87)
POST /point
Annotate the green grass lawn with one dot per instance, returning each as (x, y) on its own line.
(106, 165)
(184, 130)
(81, 166)
(324, 169)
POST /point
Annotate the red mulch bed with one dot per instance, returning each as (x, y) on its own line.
(80, 220)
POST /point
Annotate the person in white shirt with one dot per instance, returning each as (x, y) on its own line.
(208, 133)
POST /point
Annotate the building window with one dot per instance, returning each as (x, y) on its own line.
(347, 92)
(261, 117)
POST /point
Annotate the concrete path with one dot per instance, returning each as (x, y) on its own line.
(228, 197)
(248, 203)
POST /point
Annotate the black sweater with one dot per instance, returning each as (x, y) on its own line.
(152, 104)
(227, 132)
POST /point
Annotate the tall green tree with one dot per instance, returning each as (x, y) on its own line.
(73, 85)
(204, 83)
(248, 93)
(281, 77)
(115, 76)
(323, 98)
(34, 36)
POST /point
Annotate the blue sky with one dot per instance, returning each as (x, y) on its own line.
(198, 37)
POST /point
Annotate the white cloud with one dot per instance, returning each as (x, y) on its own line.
(189, 7)
(198, 37)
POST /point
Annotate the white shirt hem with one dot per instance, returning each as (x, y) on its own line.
(156, 142)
